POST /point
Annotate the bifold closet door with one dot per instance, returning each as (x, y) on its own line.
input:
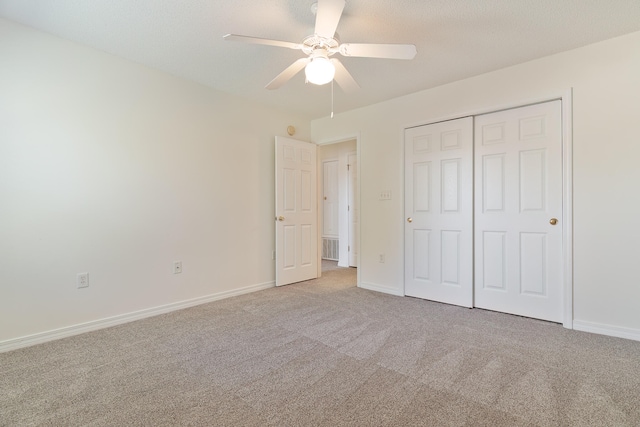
(518, 211)
(439, 212)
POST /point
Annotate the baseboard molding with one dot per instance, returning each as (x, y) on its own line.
(381, 288)
(602, 329)
(55, 334)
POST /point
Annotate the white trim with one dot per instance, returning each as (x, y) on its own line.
(94, 325)
(344, 138)
(356, 199)
(567, 206)
(381, 288)
(610, 330)
(552, 96)
(566, 99)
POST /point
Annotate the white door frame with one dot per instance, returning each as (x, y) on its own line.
(567, 180)
(345, 138)
(352, 200)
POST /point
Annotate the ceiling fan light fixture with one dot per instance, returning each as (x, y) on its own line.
(319, 70)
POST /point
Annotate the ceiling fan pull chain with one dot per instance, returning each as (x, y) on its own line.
(332, 99)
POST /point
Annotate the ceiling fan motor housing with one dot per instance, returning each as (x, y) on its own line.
(316, 42)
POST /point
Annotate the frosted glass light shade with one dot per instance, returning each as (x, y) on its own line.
(319, 71)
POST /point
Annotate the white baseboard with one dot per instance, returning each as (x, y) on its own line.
(94, 325)
(602, 329)
(381, 288)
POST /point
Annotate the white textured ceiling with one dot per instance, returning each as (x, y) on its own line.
(455, 39)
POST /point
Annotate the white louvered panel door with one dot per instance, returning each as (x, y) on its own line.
(439, 212)
(296, 216)
(518, 194)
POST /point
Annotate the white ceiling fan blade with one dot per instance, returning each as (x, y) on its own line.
(328, 16)
(257, 40)
(343, 77)
(369, 50)
(288, 73)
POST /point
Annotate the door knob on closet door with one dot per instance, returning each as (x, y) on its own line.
(553, 221)
(409, 219)
(280, 218)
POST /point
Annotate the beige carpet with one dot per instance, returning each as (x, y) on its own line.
(325, 353)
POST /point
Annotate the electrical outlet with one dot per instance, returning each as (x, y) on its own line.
(82, 280)
(177, 267)
(381, 259)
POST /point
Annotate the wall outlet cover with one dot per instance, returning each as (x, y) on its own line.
(177, 267)
(82, 280)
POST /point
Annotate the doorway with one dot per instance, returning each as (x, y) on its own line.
(483, 198)
(339, 201)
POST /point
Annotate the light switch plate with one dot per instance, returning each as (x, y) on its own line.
(385, 195)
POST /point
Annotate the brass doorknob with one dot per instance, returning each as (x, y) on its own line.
(280, 218)
(553, 221)
(409, 219)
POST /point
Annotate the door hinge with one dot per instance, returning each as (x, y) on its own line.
(348, 166)
(349, 248)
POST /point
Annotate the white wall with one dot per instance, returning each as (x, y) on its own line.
(605, 78)
(115, 169)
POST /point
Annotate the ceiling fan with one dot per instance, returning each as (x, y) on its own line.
(324, 43)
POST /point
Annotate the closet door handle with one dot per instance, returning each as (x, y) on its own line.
(409, 219)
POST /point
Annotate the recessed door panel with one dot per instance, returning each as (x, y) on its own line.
(533, 259)
(491, 133)
(422, 187)
(532, 127)
(422, 144)
(450, 249)
(421, 257)
(305, 244)
(533, 186)
(289, 190)
(307, 192)
(289, 246)
(493, 183)
(494, 263)
(450, 185)
(451, 140)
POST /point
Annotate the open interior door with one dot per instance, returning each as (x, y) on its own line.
(296, 211)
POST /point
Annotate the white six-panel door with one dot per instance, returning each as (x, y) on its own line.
(296, 216)
(439, 212)
(518, 211)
